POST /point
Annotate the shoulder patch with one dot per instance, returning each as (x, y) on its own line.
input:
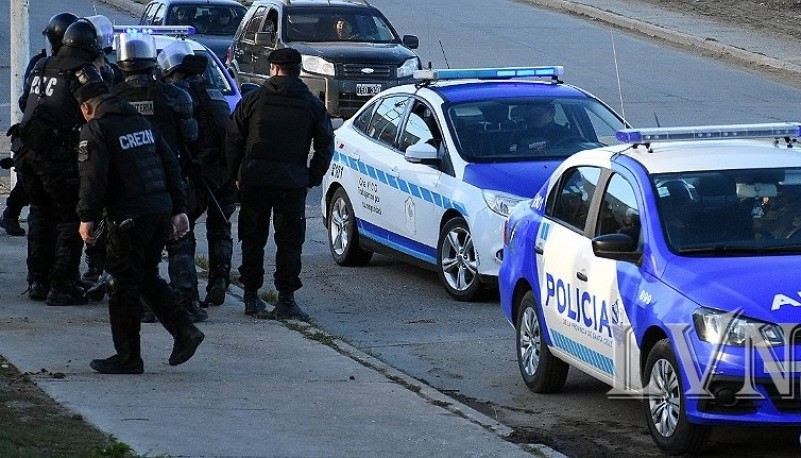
(83, 151)
(215, 94)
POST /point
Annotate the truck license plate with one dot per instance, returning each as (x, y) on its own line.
(367, 89)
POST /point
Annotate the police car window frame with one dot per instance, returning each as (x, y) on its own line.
(607, 182)
(445, 165)
(393, 146)
(555, 196)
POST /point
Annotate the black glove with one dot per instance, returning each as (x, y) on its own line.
(7, 163)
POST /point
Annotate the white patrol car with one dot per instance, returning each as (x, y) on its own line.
(429, 171)
(669, 264)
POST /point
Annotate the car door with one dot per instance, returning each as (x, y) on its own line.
(265, 42)
(377, 192)
(424, 204)
(245, 45)
(564, 255)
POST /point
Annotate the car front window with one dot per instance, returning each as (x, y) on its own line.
(731, 212)
(524, 129)
(316, 25)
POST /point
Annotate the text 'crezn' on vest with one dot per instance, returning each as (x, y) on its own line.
(148, 97)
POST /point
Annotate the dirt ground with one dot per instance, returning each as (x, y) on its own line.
(777, 17)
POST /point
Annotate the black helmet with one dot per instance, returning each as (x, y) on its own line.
(81, 34)
(56, 27)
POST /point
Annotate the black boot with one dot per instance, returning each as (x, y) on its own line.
(66, 295)
(114, 365)
(287, 309)
(195, 311)
(215, 293)
(187, 341)
(38, 290)
(11, 224)
(253, 304)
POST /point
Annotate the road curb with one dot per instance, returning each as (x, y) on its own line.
(684, 40)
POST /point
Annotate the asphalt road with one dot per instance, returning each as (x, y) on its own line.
(401, 314)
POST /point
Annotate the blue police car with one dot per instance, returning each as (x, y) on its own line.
(429, 171)
(666, 267)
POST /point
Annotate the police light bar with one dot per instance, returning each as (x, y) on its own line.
(183, 30)
(488, 73)
(732, 131)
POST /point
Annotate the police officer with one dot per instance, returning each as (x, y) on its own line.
(211, 190)
(130, 173)
(49, 135)
(169, 109)
(18, 198)
(267, 147)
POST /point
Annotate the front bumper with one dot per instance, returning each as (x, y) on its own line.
(340, 94)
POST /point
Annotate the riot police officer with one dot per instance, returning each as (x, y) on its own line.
(130, 174)
(169, 109)
(211, 190)
(267, 148)
(49, 135)
(18, 198)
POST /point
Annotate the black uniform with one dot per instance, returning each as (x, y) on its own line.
(211, 190)
(127, 169)
(267, 148)
(169, 109)
(49, 134)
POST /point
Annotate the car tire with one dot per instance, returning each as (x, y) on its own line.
(457, 262)
(343, 235)
(665, 405)
(542, 371)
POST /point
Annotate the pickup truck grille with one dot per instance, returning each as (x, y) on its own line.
(354, 71)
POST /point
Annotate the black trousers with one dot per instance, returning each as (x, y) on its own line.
(132, 260)
(288, 210)
(54, 244)
(182, 271)
(16, 200)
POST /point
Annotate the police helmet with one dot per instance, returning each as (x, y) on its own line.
(104, 30)
(56, 27)
(81, 34)
(136, 53)
(172, 56)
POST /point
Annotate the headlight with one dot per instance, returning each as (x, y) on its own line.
(318, 65)
(501, 202)
(408, 67)
(727, 328)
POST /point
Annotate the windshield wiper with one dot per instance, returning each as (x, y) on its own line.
(735, 250)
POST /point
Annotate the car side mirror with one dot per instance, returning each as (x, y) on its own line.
(264, 38)
(620, 247)
(411, 41)
(244, 88)
(421, 153)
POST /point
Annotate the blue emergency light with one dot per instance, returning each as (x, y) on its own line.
(721, 132)
(488, 73)
(180, 30)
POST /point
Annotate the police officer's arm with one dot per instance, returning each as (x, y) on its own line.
(28, 79)
(323, 145)
(93, 165)
(172, 174)
(236, 135)
(184, 108)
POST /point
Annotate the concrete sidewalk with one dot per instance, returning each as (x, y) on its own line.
(263, 388)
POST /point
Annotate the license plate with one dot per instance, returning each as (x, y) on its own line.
(367, 89)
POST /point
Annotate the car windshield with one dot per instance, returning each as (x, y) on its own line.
(731, 212)
(213, 74)
(208, 19)
(316, 25)
(525, 129)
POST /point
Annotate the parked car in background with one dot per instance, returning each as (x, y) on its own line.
(428, 172)
(350, 50)
(663, 266)
(215, 21)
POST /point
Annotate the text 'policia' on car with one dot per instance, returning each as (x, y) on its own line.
(667, 263)
(429, 171)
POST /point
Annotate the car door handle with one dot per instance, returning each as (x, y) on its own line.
(581, 276)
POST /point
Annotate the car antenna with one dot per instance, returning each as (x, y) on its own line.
(656, 118)
(443, 54)
(94, 6)
(617, 74)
